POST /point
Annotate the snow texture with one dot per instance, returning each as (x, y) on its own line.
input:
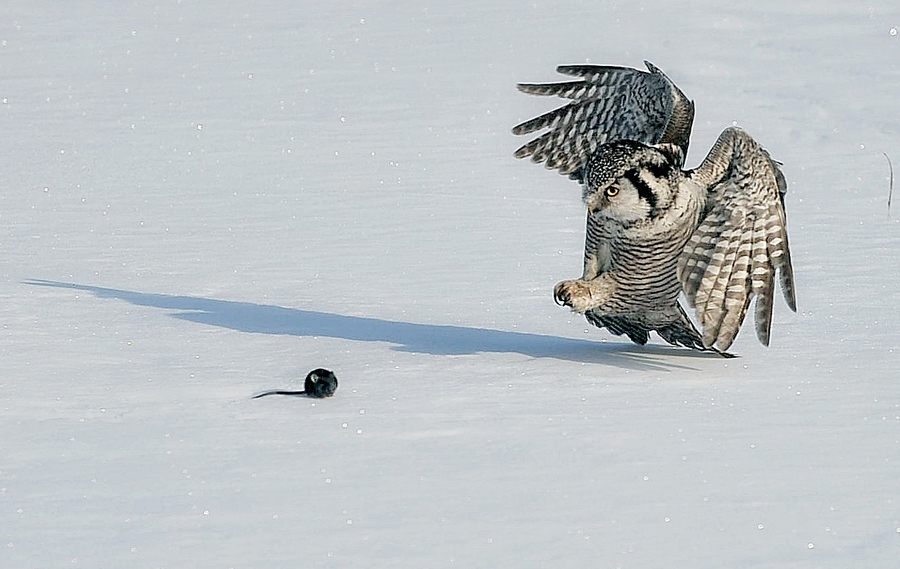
(203, 200)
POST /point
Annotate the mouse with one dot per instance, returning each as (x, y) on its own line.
(319, 383)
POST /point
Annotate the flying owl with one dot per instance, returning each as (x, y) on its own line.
(716, 233)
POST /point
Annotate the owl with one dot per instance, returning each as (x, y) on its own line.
(716, 234)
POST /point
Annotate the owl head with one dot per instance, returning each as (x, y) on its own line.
(629, 181)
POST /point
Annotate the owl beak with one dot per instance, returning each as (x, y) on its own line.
(595, 203)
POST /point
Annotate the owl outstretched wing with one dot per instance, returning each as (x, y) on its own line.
(740, 243)
(606, 104)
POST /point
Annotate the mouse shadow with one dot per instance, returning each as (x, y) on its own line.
(444, 340)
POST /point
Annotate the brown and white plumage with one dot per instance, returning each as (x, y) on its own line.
(741, 242)
(654, 231)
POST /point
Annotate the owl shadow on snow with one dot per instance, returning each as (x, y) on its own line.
(407, 336)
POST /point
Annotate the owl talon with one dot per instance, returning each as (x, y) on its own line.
(575, 294)
(565, 293)
(561, 295)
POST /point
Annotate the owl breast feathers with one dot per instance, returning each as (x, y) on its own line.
(716, 234)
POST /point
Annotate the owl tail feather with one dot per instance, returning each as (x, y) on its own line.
(619, 325)
(681, 332)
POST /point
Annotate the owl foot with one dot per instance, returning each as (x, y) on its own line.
(581, 295)
(571, 293)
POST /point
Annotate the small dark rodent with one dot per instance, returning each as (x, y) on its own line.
(319, 383)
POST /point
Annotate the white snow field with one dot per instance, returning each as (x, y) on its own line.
(203, 200)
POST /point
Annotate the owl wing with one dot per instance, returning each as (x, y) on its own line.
(606, 104)
(740, 243)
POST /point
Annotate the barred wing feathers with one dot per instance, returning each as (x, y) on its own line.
(740, 244)
(606, 104)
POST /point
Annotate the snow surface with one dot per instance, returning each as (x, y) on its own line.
(202, 200)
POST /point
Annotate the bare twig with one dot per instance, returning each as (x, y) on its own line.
(891, 186)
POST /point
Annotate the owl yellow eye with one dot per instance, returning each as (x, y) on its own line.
(612, 191)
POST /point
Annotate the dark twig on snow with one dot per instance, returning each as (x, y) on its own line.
(891, 184)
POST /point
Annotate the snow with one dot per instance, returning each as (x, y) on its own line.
(203, 200)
